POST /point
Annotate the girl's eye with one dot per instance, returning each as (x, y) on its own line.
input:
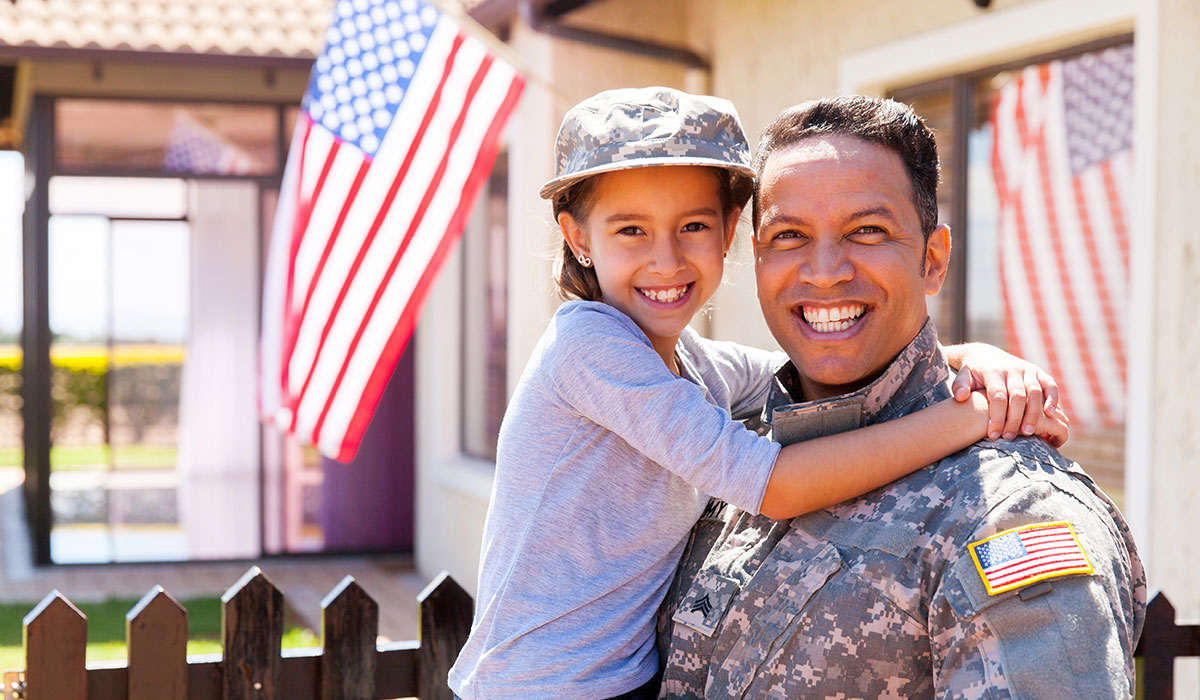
(629, 231)
(695, 226)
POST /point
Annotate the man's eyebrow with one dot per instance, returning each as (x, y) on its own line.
(881, 210)
(783, 218)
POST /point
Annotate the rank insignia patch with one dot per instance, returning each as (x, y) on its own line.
(1029, 553)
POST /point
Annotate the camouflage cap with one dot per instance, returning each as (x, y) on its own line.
(640, 127)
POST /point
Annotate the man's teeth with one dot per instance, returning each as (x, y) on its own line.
(665, 295)
(831, 320)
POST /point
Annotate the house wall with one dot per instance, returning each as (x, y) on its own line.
(1163, 448)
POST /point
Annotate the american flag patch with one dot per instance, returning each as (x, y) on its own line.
(1029, 553)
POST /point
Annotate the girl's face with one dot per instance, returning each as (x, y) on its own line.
(657, 238)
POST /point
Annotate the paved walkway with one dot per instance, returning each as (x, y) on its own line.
(304, 581)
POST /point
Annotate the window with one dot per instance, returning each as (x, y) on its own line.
(1037, 173)
(196, 138)
(485, 315)
(12, 452)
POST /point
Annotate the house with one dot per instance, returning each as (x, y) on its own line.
(949, 58)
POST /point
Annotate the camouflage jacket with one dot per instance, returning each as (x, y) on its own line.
(882, 596)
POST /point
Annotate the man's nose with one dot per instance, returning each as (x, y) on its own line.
(827, 265)
(666, 257)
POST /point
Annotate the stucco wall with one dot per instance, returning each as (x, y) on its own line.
(1163, 445)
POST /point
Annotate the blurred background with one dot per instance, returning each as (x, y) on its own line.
(143, 143)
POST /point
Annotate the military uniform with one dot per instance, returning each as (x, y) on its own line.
(907, 592)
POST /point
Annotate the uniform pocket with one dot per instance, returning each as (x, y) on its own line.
(770, 621)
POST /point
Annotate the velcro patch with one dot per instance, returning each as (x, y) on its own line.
(705, 603)
(1029, 553)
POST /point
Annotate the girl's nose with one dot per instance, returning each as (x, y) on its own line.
(666, 257)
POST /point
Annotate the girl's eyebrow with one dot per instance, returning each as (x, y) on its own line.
(621, 216)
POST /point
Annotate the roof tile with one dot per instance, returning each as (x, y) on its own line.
(289, 28)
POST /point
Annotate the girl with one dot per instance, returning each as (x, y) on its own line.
(622, 424)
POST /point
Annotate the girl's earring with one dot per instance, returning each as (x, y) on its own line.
(584, 260)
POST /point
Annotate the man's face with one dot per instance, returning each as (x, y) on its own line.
(842, 266)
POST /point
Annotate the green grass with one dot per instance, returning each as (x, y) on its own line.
(64, 457)
(106, 630)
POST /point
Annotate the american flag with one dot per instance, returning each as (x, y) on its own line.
(401, 123)
(193, 147)
(1063, 164)
(1027, 554)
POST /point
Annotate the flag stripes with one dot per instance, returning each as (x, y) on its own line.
(381, 198)
(1027, 554)
(1062, 166)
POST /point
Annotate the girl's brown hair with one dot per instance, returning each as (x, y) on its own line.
(578, 282)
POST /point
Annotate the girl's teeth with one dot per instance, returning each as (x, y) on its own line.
(664, 295)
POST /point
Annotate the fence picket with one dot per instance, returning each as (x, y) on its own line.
(252, 633)
(55, 650)
(156, 633)
(349, 628)
(445, 621)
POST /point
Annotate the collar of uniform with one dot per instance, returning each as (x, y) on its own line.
(915, 379)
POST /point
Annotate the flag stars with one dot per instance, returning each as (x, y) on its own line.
(362, 75)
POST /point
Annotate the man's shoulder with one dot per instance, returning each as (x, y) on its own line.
(990, 473)
(988, 487)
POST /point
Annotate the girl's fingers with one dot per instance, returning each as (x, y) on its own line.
(1034, 403)
(961, 387)
(1016, 405)
(1050, 389)
(997, 392)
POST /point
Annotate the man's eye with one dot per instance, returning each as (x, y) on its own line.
(869, 234)
(788, 237)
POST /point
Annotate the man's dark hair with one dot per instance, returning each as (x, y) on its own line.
(888, 123)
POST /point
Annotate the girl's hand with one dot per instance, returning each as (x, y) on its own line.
(1022, 399)
(1053, 429)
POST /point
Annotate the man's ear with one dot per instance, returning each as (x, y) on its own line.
(731, 223)
(937, 259)
(575, 235)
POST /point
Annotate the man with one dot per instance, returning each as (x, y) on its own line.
(1000, 572)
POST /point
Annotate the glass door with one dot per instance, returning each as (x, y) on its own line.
(119, 318)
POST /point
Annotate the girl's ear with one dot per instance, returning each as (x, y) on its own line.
(575, 235)
(731, 223)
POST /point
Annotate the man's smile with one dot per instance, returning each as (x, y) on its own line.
(832, 319)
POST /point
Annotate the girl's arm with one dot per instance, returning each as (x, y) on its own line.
(818, 473)
(1018, 391)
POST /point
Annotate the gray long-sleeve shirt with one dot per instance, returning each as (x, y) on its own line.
(605, 461)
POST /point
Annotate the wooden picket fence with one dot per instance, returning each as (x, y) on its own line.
(348, 666)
